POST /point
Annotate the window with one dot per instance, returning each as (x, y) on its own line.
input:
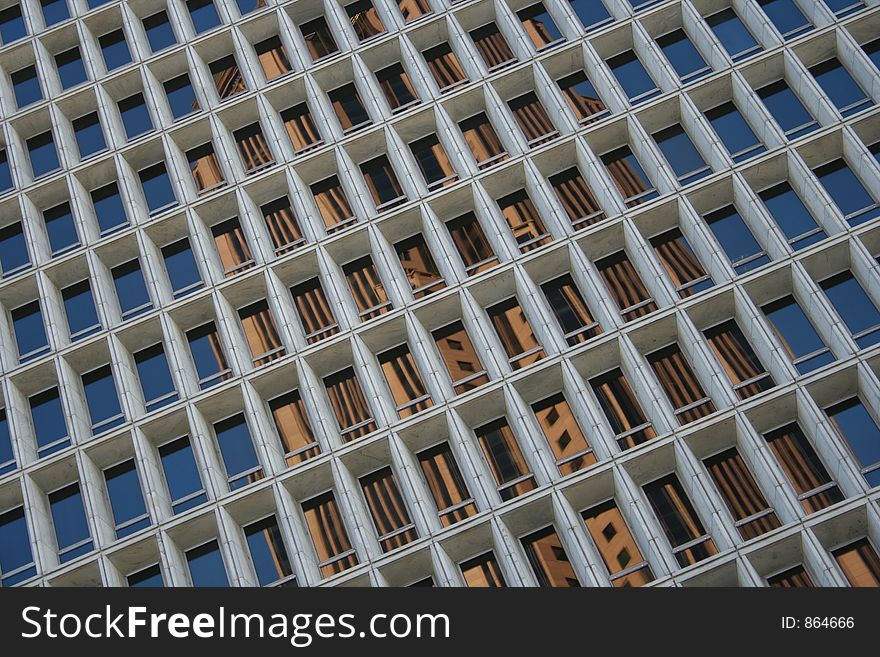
(742, 365)
(492, 46)
(60, 229)
(735, 133)
(617, 546)
(592, 13)
(403, 378)
(433, 162)
(70, 68)
(483, 571)
(237, 449)
(445, 67)
(394, 528)
(638, 5)
(689, 65)
(843, 8)
(131, 290)
(872, 49)
(690, 542)
(16, 557)
(5, 173)
(582, 97)
(301, 128)
(622, 410)
(72, 534)
(570, 310)
(364, 19)
(733, 34)
(54, 11)
(314, 310)
(563, 434)
(7, 456)
(150, 577)
(253, 148)
(283, 227)
(681, 154)
(42, 154)
(854, 306)
(505, 459)
(109, 209)
(349, 108)
(792, 578)
(848, 193)
(447, 486)
(126, 498)
(628, 175)
(47, 416)
(483, 141)
(155, 377)
(576, 198)
(157, 188)
(792, 216)
(205, 168)
(471, 243)
(208, 355)
(114, 49)
(787, 18)
(30, 332)
(135, 116)
(273, 58)
(736, 239)
(14, 256)
(327, 529)
(413, 9)
(751, 514)
(203, 14)
(268, 554)
(787, 109)
(12, 25)
(803, 345)
(860, 431)
(382, 182)
(532, 119)
(548, 559)
(395, 84)
(319, 39)
(261, 334)
(232, 247)
(626, 286)
(180, 264)
(160, 34)
(682, 388)
(859, 563)
(79, 306)
(524, 221)
(366, 288)
(515, 332)
(181, 96)
(632, 77)
(837, 83)
(228, 80)
(293, 426)
(539, 26)
(205, 563)
(102, 399)
(681, 263)
(26, 86)
(349, 405)
(460, 357)
(182, 475)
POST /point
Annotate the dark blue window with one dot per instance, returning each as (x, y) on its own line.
(42, 153)
(89, 136)
(875, 150)
(736, 239)
(135, 116)
(160, 34)
(684, 57)
(115, 49)
(787, 18)
(237, 450)
(157, 188)
(846, 94)
(855, 307)
(629, 176)
(13, 250)
(632, 76)
(126, 498)
(847, 192)
(79, 305)
(591, 12)
(131, 289)
(102, 400)
(682, 155)
(787, 109)
(50, 429)
(181, 267)
(30, 333)
(150, 577)
(733, 34)
(731, 126)
(61, 229)
(268, 553)
(792, 216)
(12, 25)
(206, 565)
(642, 4)
(155, 377)
(539, 25)
(794, 330)
(860, 430)
(208, 355)
(7, 456)
(108, 208)
(16, 558)
(872, 49)
(54, 11)
(247, 6)
(5, 173)
(71, 527)
(203, 14)
(26, 85)
(70, 68)
(182, 475)
(843, 8)
(181, 96)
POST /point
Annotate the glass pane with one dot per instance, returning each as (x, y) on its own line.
(182, 475)
(548, 559)
(267, 550)
(205, 564)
